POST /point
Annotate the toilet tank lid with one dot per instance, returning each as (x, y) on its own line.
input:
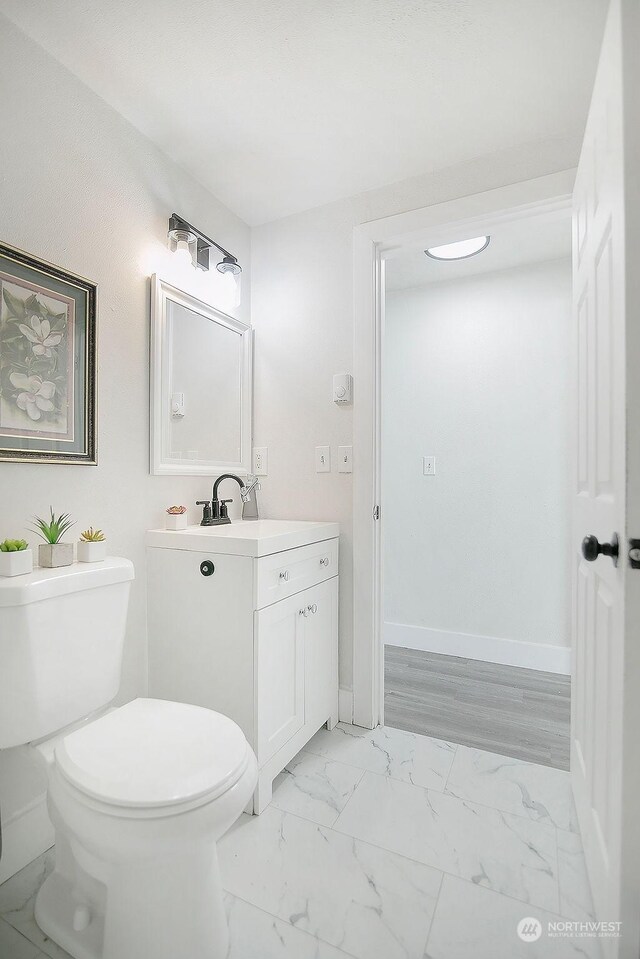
(49, 583)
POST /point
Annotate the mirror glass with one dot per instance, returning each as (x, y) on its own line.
(201, 392)
(206, 376)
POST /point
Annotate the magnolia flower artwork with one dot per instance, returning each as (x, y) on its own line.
(36, 398)
(47, 362)
(41, 336)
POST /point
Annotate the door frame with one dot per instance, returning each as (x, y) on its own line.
(373, 242)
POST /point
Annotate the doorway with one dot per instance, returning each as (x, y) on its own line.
(475, 489)
(376, 243)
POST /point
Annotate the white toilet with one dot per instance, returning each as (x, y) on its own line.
(138, 795)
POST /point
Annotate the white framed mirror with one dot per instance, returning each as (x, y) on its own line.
(200, 386)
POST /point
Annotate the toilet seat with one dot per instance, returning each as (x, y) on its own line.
(152, 754)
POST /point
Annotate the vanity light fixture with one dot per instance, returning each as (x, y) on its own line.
(185, 239)
(459, 250)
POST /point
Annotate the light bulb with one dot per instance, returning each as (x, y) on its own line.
(182, 253)
(229, 286)
(184, 245)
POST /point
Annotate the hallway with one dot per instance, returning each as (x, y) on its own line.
(516, 712)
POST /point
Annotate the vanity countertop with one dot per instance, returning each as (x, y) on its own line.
(244, 537)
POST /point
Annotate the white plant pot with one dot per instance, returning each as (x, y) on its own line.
(92, 552)
(52, 555)
(175, 521)
(16, 564)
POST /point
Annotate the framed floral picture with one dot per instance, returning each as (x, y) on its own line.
(47, 362)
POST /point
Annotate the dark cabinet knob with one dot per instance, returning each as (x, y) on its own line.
(207, 568)
(591, 548)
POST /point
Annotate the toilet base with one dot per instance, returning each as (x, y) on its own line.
(54, 912)
(177, 911)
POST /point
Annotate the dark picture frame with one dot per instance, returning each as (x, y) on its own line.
(47, 362)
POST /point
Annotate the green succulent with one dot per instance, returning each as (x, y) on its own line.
(92, 535)
(53, 530)
(13, 545)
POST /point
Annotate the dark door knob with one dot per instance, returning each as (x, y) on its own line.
(634, 553)
(591, 548)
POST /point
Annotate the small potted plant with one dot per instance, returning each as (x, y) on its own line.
(92, 547)
(53, 552)
(15, 557)
(176, 517)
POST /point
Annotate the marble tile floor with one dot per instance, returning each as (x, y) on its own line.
(385, 844)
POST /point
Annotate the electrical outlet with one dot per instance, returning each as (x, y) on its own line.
(260, 460)
(323, 459)
(429, 465)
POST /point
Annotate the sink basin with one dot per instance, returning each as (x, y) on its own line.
(244, 538)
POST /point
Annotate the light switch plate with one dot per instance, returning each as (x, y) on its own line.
(429, 465)
(260, 461)
(345, 459)
(323, 459)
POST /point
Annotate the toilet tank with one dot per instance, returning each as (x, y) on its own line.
(61, 642)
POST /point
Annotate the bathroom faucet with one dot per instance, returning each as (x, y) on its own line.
(215, 513)
(253, 482)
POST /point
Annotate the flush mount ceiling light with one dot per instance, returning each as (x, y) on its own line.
(187, 241)
(459, 250)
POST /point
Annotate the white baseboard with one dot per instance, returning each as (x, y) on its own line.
(25, 836)
(345, 705)
(490, 649)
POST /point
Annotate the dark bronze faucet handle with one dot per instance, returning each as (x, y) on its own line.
(206, 511)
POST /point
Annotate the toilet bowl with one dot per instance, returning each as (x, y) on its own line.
(138, 794)
(138, 799)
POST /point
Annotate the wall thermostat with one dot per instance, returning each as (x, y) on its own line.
(342, 388)
(177, 405)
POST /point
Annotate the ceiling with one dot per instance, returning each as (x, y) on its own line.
(281, 105)
(520, 242)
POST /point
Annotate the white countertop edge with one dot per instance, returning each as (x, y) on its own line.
(234, 543)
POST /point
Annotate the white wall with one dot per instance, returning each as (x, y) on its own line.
(81, 188)
(302, 311)
(477, 373)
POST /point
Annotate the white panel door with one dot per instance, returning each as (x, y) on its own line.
(321, 653)
(279, 674)
(605, 667)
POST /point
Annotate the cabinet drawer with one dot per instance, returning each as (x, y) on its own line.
(283, 574)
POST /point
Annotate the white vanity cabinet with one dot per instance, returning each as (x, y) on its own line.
(248, 632)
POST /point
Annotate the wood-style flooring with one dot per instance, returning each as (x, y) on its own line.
(516, 712)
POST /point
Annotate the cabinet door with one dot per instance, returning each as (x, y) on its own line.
(279, 672)
(321, 652)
